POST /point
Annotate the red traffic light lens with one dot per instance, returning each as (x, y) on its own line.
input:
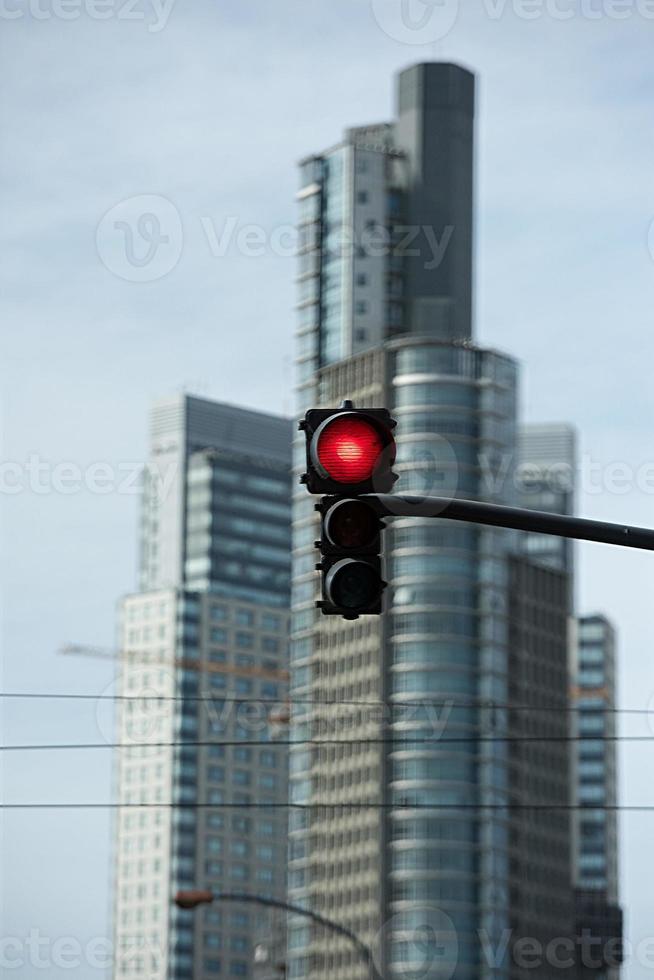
(349, 448)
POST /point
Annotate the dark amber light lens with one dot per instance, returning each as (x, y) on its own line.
(352, 524)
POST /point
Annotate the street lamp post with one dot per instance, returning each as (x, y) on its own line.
(191, 899)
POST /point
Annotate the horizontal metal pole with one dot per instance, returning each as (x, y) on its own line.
(495, 515)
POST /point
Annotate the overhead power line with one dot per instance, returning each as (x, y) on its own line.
(322, 702)
(633, 808)
(272, 743)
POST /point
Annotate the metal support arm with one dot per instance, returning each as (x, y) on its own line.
(540, 522)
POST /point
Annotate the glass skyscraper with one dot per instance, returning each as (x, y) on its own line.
(206, 641)
(448, 642)
(385, 319)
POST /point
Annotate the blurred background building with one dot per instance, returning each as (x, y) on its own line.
(548, 467)
(596, 871)
(477, 637)
(208, 631)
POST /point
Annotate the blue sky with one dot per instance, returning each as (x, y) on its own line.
(210, 110)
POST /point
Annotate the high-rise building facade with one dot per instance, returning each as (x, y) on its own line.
(547, 458)
(200, 448)
(207, 641)
(547, 478)
(541, 851)
(596, 870)
(385, 318)
(594, 694)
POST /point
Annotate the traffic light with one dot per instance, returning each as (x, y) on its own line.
(350, 546)
(349, 451)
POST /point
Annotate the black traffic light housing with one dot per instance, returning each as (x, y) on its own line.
(349, 450)
(351, 566)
